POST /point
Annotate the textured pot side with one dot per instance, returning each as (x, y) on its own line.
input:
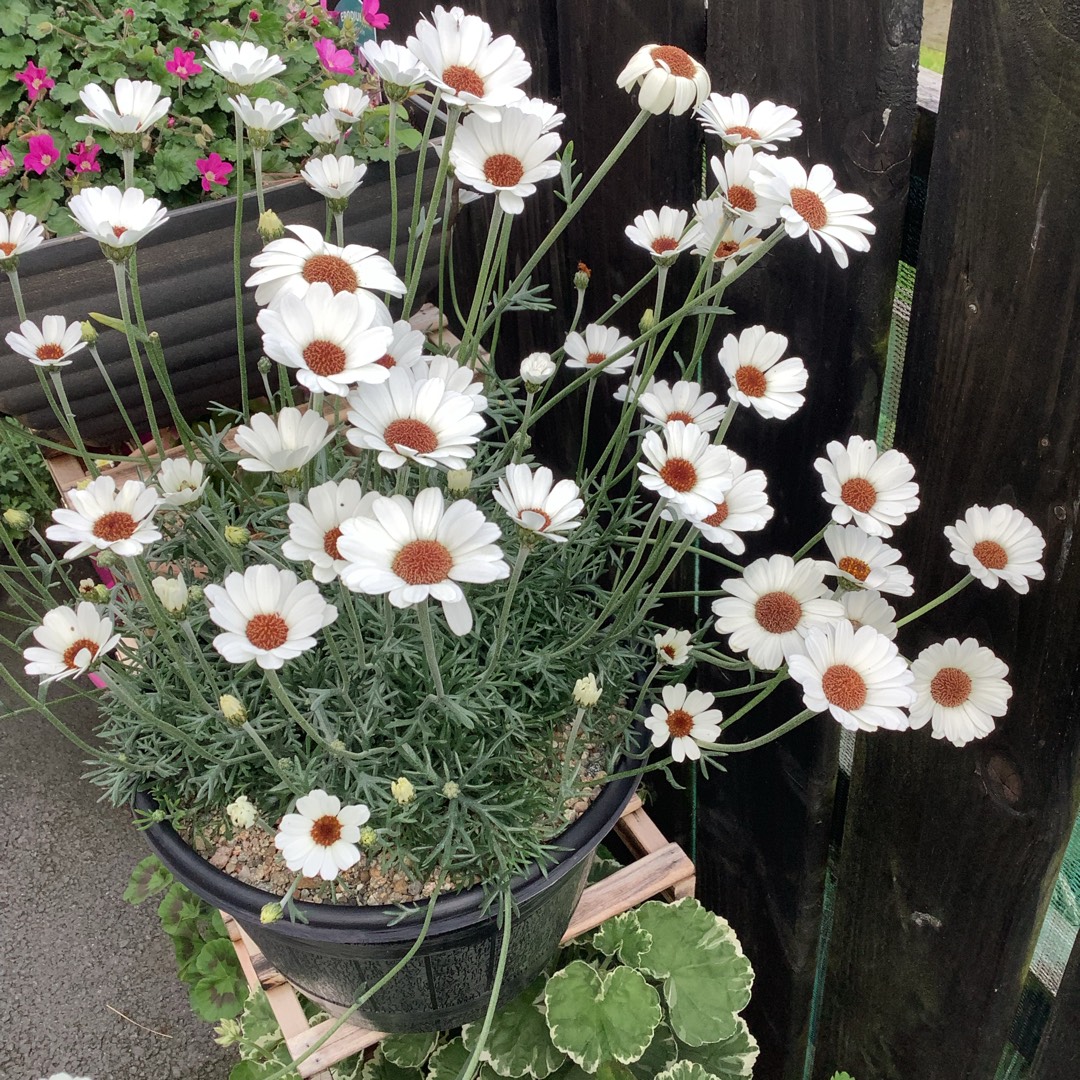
(342, 950)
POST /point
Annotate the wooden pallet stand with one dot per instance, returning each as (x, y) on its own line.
(660, 868)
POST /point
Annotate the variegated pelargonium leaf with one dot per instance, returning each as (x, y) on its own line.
(623, 936)
(518, 1043)
(661, 1053)
(686, 1070)
(732, 1059)
(379, 1068)
(448, 1061)
(408, 1051)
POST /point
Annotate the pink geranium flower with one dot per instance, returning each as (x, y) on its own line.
(36, 79)
(7, 162)
(42, 153)
(373, 16)
(83, 157)
(213, 170)
(183, 64)
(336, 61)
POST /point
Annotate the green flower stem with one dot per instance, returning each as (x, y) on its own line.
(428, 635)
(349, 604)
(693, 813)
(418, 187)
(16, 289)
(579, 307)
(393, 155)
(645, 687)
(627, 296)
(136, 296)
(71, 426)
(329, 224)
(504, 617)
(771, 736)
(258, 740)
(658, 310)
(156, 355)
(495, 285)
(60, 565)
(293, 712)
(520, 445)
(948, 594)
(120, 407)
(655, 766)
(24, 462)
(580, 473)
(468, 335)
(128, 154)
(444, 278)
(725, 424)
(339, 229)
(136, 356)
(759, 697)
(19, 595)
(200, 656)
(256, 158)
(238, 284)
(811, 542)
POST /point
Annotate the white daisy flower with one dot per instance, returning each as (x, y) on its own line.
(772, 607)
(550, 117)
(69, 642)
(50, 346)
(684, 467)
(537, 368)
(314, 528)
(722, 241)
(180, 481)
(345, 103)
(999, 544)
(406, 348)
(471, 69)
(761, 127)
(138, 105)
(864, 607)
(631, 388)
(320, 839)
(116, 219)
(960, 688)
(103, 518)
(857, 556)
(856, 675)
(323, 128)
(282, 445)
(509, 156)
(532, 502)
(876, 491)
(759, 378)
(266, 615)
(684, 401)
(242, 63)
(330, 339)
(262, 114)
(459, 379)
(663, 235)
(333, 177)
(812, 207)
(19, 234)
(738, 190)
(412, 551)
(671, 80)
(419, 420)
(672, 647)
(172, 592)
(686, 718)
(295, 263)
(595, 346)
(394, 64)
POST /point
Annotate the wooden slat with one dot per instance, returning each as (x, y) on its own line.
(1058, 1055)
(349, 1039)
(950, 855)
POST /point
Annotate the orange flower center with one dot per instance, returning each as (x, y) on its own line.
(6, 247)
(596, 358)
(116, 525)
(119, 230)
(333, 270)
(950, 687)
(725, 249)
(329, 543)
(675, 60)
(325, 358)
(664, 243)
(463, 80)
(50, 351)
(77, 647)
(503, 170)
(423, 562)
(743, 132)
(678, 473)
(719, 516)
(268, 631)
(539, 513)
(386, 361)
(844, 687)
(859, 494)
(777, 612)
(751, 380)
(326, 830)
(741, 198)
(685, 417)
(414, 434)
(809, 207)
(858, 569)
(668, 651)
(679, 722)
(991, 554)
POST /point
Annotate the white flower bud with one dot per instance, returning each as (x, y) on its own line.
(242, 812)
(402, 790)
(537, 368)
(172, 592)
(587, 691)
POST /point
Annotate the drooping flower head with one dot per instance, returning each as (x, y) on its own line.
(999, 544)
(685, 401)
(262, 115)
(103, 518)
(671, 80)
(866, 560)
(400, 71)
(334, 178)
(284, 445)
(69, 642)
(760, 128)
(346, 103)
(320, 839)
(323, 128)
(50, 346)
(865, 607)
(536, 503)
(720, 239)
(739, 190)
(19, 234)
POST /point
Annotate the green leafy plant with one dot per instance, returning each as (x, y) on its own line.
(25, 483)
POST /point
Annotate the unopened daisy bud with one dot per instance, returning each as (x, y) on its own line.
(271, 226)
(237, 535)
(83, 484)
(536, 369)
(44, 28)
(264, 365)
(337, 746)
(242, 812)
(270, 913)
(581, 278)
(368, 836)
(101, 464)
(99, 594)
(17, 520)
(172, 592)
(647, 321)
(458, 481)
(587, 691)
(451, 790)
(228, 1032)
(89, 332)
(232, 708)
(194, 594)
(402, 790)
(108, 558)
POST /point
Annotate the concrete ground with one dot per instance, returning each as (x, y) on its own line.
(936, 23)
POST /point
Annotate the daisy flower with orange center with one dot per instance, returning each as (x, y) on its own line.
(548, 114)
(772, 607)
(683, 401)
(284, 444)
(50, 346)
(537, 504)
(103, 518)
(69, 642)
(865, 607)
(320, 839)
(672, 647)
(759, 378)
(739, 190)
(413, 551)
(595, 346)
(875, 491)
(663, 235)
(19, 234)
(266, 615)
(960, 689)
(314, 528)
(760, 127)
(999, 544)
(670, 79)
(857, 676)
(685, 468)
(458, 378)
(406, 348)
(866, 560)
(811, 206)
(181, 481)
(687, 718)
(116, 219)
(720, 239)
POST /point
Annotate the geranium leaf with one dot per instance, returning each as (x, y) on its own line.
(217, 960)
(147, 879)
(594, 1016)
(661, 1053)
(519, 1043)
(14, 51)
(706, 977)
(215, 1001)
(174, 166)
(686, 1070)
(448, 1061)
(381, 1068)
(408, 1051)
(623, 936)
(732, 1059)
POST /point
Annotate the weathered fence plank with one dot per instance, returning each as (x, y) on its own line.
(949, 855)
(1059, 1051)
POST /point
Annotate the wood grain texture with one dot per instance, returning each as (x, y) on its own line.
(1058, 1055)
(950, 855)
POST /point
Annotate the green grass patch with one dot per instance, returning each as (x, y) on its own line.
(934, 59)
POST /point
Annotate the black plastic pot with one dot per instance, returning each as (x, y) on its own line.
(342, 950)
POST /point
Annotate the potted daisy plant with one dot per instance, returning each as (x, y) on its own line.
(377, 680)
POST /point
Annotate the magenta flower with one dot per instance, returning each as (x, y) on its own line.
(373, 16)
(213, 170)
(336, 61)
(42, 153)
(83, 157)
(36, 79)
(7, 162)
(182, 64)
